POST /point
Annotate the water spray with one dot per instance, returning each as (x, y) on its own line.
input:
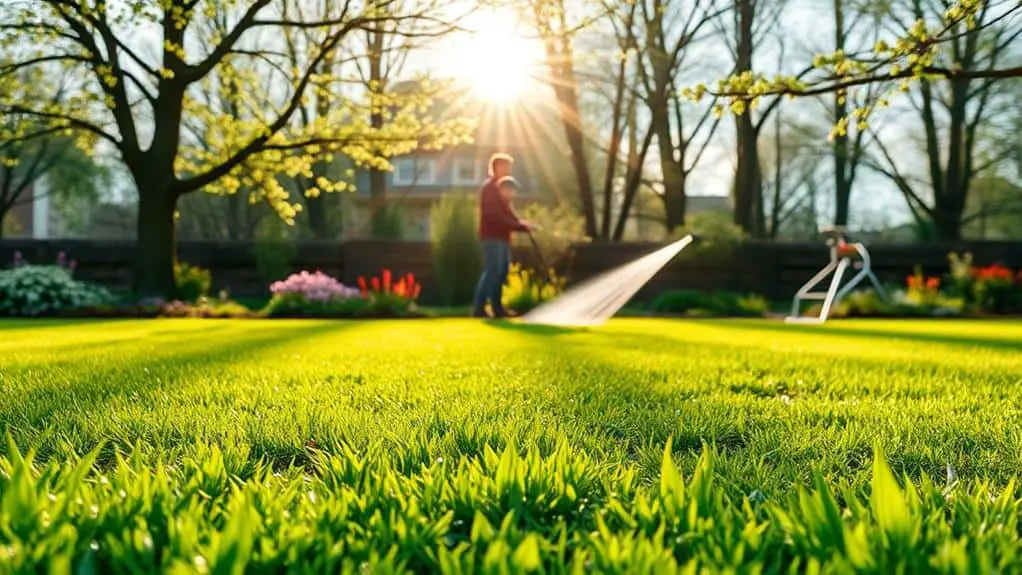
(595, 301)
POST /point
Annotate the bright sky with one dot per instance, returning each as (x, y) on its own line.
(499, 60)
(494, 57)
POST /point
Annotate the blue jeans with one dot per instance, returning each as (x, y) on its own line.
(496, 262)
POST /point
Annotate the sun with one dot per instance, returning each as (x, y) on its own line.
(493, 58)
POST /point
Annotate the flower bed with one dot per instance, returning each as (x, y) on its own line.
(317, 295)
(966, 291)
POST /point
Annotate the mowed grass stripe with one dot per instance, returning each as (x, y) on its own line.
(322, 434)
(774, 396)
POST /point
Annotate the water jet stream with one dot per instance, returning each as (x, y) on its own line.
(594, 301)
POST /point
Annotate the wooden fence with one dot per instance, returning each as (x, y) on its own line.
(773, 270)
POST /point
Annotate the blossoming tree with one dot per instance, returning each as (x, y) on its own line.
(139, 69)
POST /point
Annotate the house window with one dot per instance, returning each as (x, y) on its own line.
(465, 171)
(414, 171)
(425, 171)
(404, 171)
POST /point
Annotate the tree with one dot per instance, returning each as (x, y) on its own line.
(635, 78)
(670, 30)
(847, 150)
(753, 22)
(995, 209)
(963, 48)
(31, 150)
(954, 115)
(139, 103)
(557, 35)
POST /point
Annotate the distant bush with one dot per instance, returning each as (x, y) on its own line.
(680, 301)
(697, 303)
(31, 290)
(717, 234)
(274, 248)
(562, 228)
(526, 289)
(388, 223)
(867, 303)
(995, 290)
(273, 258)
(206, 308)
(191, 282)
(457, 254)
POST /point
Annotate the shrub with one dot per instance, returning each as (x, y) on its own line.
(717, 234)
(191, 282)
(525, 289)
(697, 303)
(388, 223)
(457, 255)
(388, 297)
(314, 295)
(995, 290)
(681, 301)
(204, 307)
(960, 278)
(563, 228)
(273, 258)
(30, 291)
(753, 305)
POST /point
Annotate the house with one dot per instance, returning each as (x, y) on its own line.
(31, 216)
(529, 131)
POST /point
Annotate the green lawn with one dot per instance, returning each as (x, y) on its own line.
(384, 446)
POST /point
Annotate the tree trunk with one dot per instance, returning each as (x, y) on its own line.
(235, 212)
(553, 30)
(842, 184)
(377, 196)
(155, 243)
(317, 218)
(377, 178)
(748, 182)
(674, 195)
(576, 143)
(775, 209)
(615, 148)
(748, 185)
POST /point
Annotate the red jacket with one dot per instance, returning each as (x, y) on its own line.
(496, 218)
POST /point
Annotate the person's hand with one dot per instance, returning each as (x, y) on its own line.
(531, 227)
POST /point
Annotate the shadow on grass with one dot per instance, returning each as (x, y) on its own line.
(140, 372)
(534, 329)
(835, 329)
(25, 324)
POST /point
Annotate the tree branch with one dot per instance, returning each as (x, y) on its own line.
(70, 120)
(217, 172)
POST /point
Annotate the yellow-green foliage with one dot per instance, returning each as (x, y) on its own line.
(526, 288)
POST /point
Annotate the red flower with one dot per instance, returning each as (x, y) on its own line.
(994, 272)
(376, 284)
(933, 284)
(362, 285)
(386, 280)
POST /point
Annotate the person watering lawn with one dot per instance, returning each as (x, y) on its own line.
(497, 221)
